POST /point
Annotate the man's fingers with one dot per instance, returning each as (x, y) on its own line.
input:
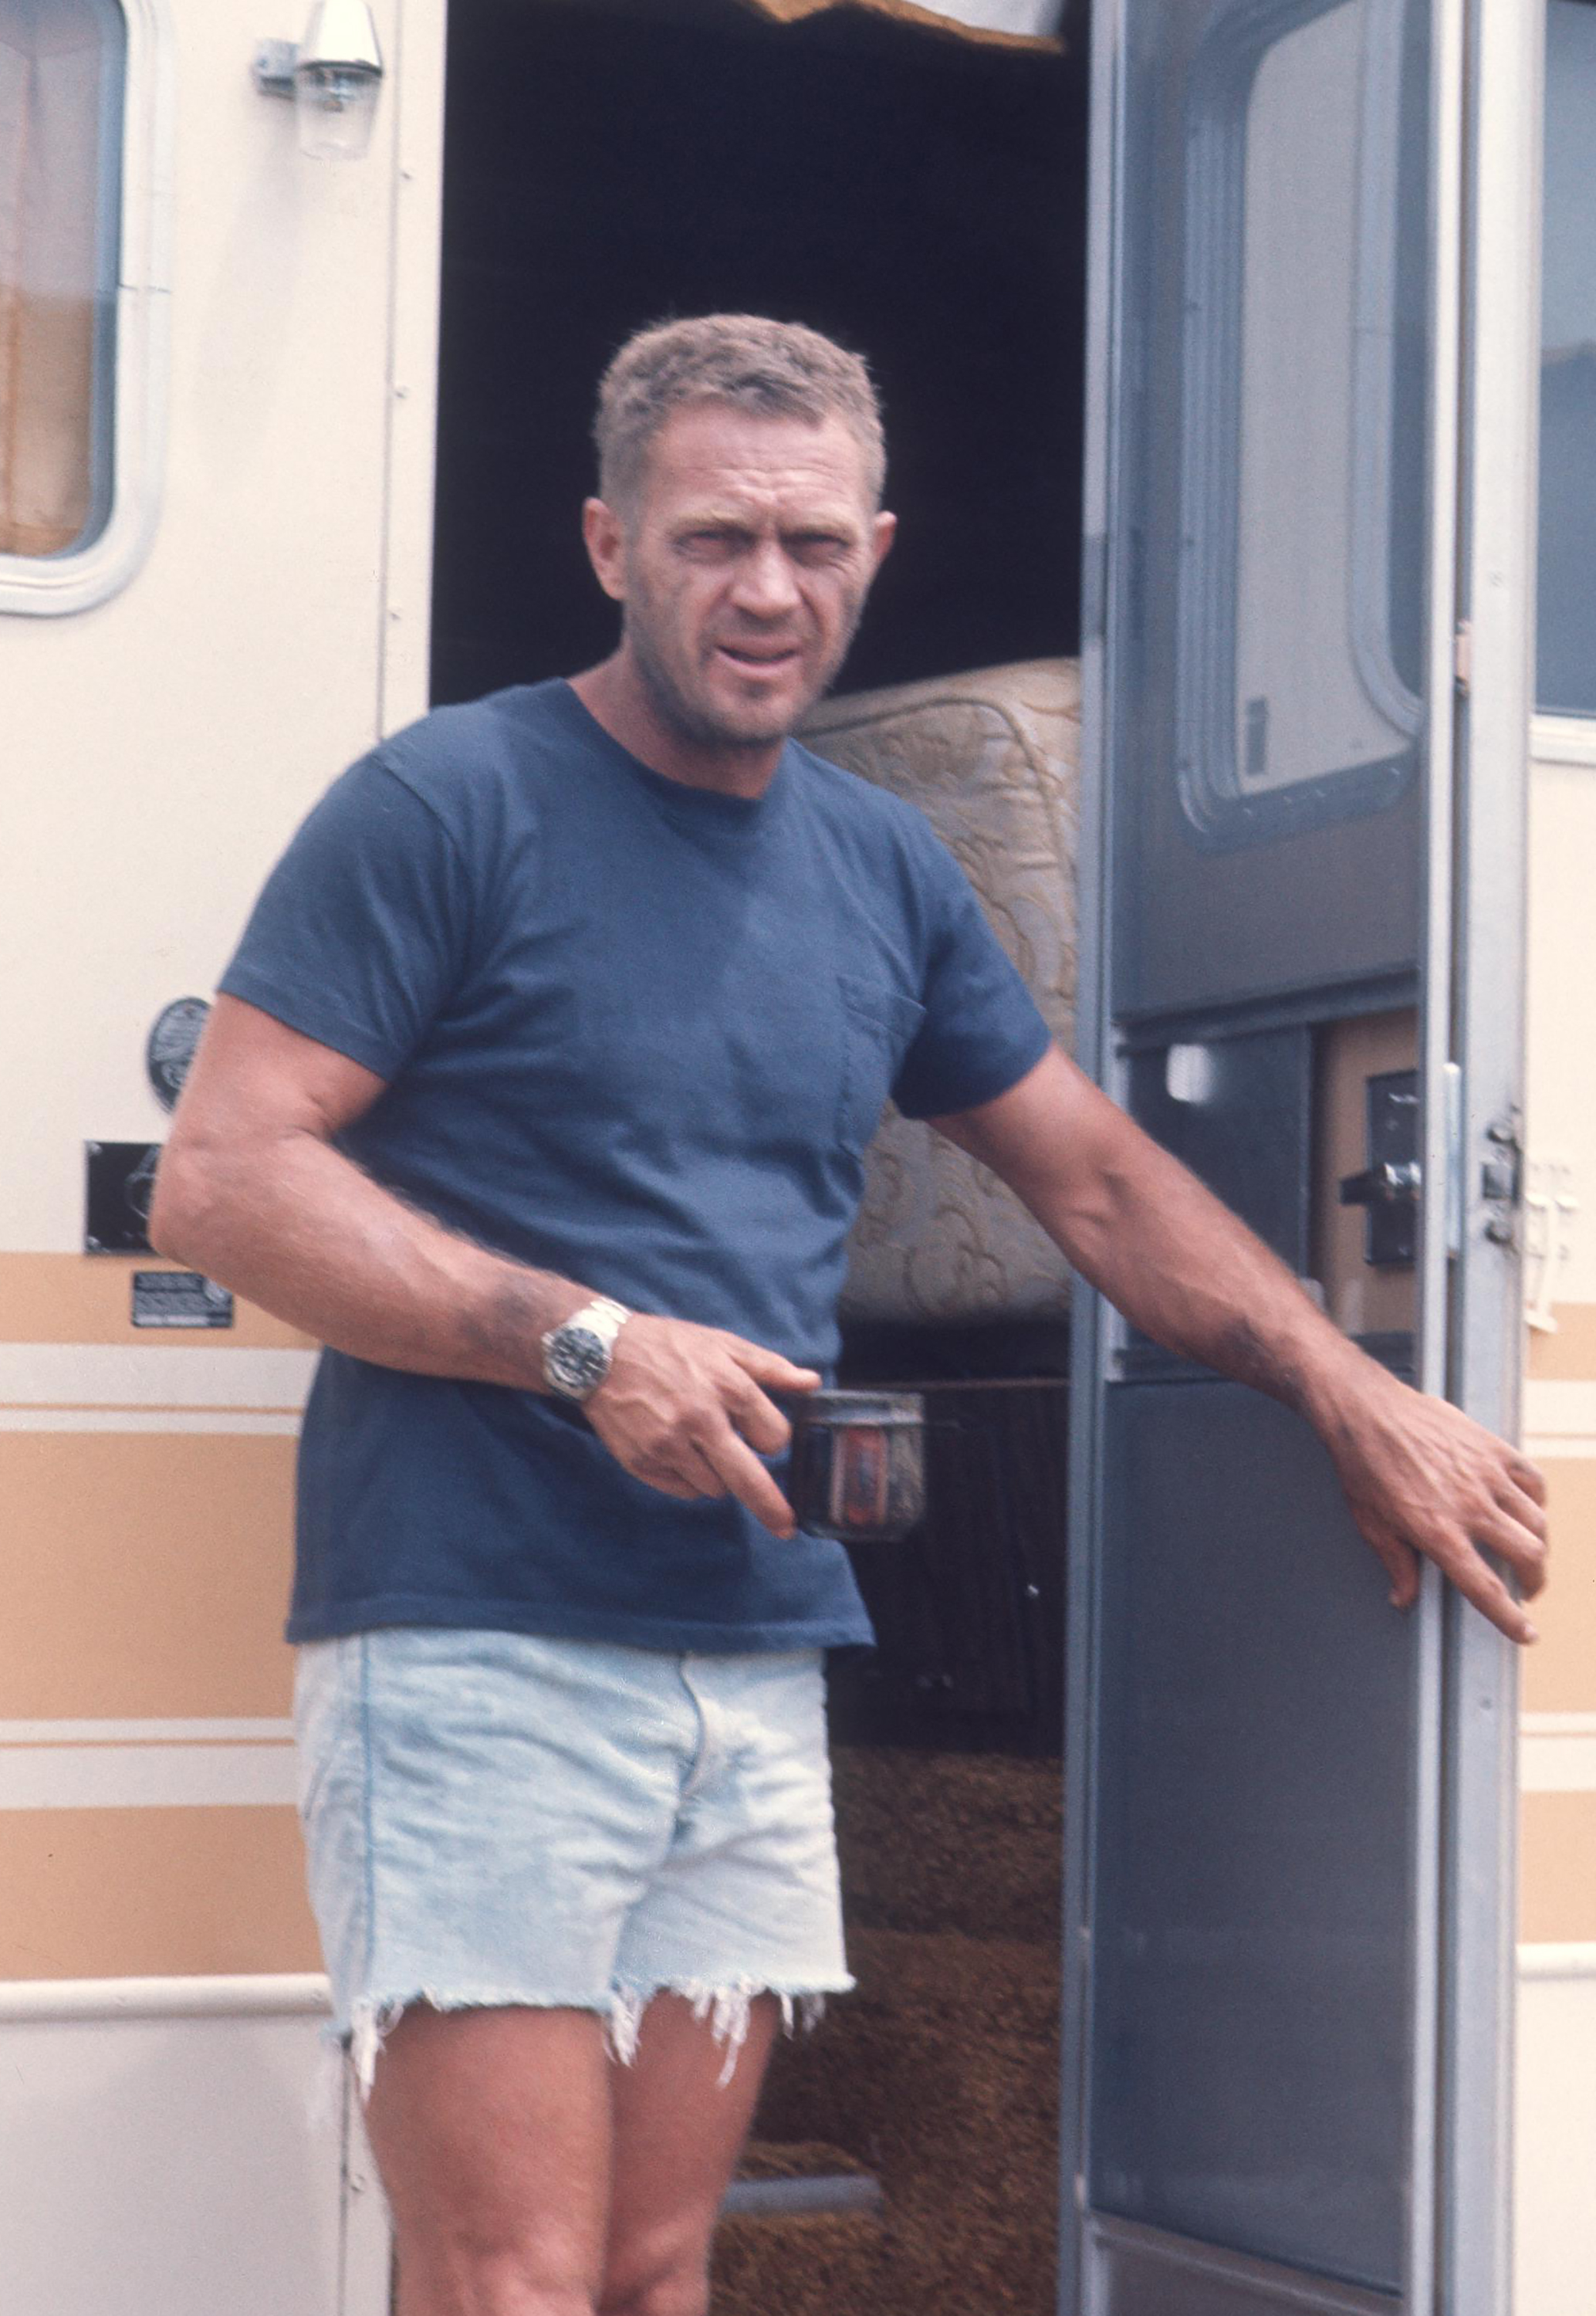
(1401, 1564)
(770, 1368)
(759, 1419)
(1528, 1511)
(671, 1482)
(1479, 1581)
(740, 1471)
(1522, 1548)
(1529, 1477)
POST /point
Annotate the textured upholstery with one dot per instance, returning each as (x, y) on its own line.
(992, 759)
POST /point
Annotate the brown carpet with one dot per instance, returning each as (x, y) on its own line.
(940, 2073)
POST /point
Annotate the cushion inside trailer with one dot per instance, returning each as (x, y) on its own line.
(992, 758)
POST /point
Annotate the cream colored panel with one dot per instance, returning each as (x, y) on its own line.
(152, 1893)
(1558, 1867)
(1561, 1085)
(159, 749)
(1555, 2153)
(145, 1574)
(174, 2167)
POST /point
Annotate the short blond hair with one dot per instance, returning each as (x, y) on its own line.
(772, 370)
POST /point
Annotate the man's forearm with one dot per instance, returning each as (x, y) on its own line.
(1193, 1277)
(295, 1226)
(1144, 1230)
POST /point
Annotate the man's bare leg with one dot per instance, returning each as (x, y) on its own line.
(491, 2130)
(678, 2132)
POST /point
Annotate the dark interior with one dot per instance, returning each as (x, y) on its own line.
(920, 196)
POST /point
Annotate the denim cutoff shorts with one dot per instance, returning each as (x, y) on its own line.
(494, 1819)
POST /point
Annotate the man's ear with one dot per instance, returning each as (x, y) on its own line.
(604, 538)
(883, 531)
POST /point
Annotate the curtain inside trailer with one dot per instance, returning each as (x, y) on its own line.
(61, 73)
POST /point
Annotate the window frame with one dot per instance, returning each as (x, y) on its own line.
(47, 586)
(1222, 812)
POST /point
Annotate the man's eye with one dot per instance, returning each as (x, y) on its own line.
(819, 545)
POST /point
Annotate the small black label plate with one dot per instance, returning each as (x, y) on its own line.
(179, 1298)
(121, 1182)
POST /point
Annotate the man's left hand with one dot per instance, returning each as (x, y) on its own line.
(1423, 1478)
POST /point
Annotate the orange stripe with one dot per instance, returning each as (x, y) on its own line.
(147, 1575)
(152, 1893)
(1560, 1671)
(1558, 1867)
(1570, 1355)
(86, 1299)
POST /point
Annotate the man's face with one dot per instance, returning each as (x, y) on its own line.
(742, 568)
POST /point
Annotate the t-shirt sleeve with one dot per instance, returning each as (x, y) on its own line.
(983, 1031)
(361, 929)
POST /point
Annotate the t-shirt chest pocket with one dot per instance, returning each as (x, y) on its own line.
(879, 1026)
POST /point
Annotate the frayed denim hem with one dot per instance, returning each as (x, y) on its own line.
(727, 2005)
(728, 2008)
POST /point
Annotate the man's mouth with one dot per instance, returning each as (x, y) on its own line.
(761, 659)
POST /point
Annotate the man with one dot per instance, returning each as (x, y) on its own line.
(538, 1090)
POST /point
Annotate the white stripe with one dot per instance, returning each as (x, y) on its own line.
(145, 1777)
(119, 1419)
(176, 1375)
(140, 1732)
(1557, 1753)
(1573, 1958)
(288, 1994)
(1560, 1411)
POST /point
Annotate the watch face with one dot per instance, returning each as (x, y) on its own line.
(578, 1360)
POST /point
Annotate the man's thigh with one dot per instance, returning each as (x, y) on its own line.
(493, 2132)
(520, 2158)
(680, 2118)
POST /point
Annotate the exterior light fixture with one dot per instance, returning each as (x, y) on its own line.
(333, 75)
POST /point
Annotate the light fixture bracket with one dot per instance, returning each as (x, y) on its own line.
(273, 67)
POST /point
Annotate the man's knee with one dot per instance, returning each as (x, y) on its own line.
(672, 2282)
(673, 2295)
(455, 2279)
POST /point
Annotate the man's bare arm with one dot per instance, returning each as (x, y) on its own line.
(252, 1191)
(1420, 1477)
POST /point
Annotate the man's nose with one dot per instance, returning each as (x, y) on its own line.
(767, 584)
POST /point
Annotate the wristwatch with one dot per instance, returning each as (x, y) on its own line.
(576, 1355)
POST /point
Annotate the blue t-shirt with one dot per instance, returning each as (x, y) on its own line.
(638, 1034)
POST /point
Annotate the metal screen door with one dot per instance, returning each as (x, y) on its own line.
(1290, 1878)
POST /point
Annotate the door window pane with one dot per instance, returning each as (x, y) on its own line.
(1304, 472)
(62, 67)
(1565, 682)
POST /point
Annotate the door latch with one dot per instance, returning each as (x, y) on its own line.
(1389, 1184)
(1502, 1180)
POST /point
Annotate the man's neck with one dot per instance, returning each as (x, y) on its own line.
(616, 696)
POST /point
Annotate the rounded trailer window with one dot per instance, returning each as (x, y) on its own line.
(77, 282)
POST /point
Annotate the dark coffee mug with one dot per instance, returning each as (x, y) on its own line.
(858, 1464)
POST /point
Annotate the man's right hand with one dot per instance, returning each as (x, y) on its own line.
(682, 1408)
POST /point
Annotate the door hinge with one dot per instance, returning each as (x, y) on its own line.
(1463, 657)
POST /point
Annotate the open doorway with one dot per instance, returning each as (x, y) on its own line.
(919, 192)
